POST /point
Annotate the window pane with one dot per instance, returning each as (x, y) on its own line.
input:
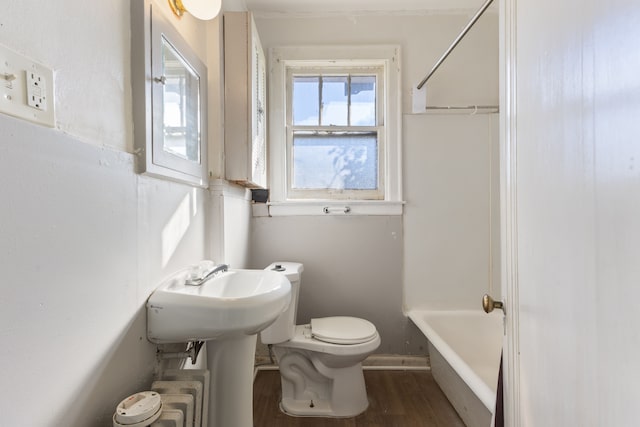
(335, 98)
(306, 102)
(181, 115)
(339, 162)
(363, 101)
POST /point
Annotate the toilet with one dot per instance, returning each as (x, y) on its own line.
(320, 363)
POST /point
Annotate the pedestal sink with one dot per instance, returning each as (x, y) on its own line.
(227, 311)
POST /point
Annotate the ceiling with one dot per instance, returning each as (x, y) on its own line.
(351, 6)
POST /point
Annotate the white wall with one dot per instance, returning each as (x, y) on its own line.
(448, 258)
(578, 180)
(83, 238)
(230, 224)
(362, 265)
(353, 267)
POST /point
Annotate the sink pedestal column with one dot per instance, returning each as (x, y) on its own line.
(231, 362)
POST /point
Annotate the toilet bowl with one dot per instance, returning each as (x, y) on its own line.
(321, 362)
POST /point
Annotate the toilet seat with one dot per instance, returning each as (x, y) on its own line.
(342, 330)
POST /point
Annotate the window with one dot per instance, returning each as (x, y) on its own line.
(334, 130)
(335, 133)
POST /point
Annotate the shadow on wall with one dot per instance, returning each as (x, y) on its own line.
(127, 368)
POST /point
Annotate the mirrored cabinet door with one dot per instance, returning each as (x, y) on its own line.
(169, 99)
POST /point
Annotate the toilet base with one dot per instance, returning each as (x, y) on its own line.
(312, 408)
(311, 389)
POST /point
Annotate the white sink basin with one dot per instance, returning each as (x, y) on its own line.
(234, 302)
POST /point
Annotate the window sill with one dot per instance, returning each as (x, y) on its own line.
(328, 208)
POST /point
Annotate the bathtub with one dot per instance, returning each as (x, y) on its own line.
(464, 348)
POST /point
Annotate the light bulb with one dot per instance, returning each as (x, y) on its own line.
(203, 9)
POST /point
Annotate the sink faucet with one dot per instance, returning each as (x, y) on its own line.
(197, 281)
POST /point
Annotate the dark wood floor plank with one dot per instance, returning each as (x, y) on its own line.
(397, 399)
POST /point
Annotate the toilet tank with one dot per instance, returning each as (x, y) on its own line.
(284, 327)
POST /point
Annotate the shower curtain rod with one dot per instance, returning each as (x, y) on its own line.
(466, 29)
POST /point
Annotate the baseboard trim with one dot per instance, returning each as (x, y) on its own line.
(395, 368)
(395, 362)
(377, 362)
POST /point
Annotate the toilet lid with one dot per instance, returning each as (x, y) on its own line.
(342, 330)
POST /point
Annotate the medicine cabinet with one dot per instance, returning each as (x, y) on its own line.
(245, 146)
(169, 99)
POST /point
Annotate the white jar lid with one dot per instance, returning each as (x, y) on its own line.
(342, 330)
(138, 410)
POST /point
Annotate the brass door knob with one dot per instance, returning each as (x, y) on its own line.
(489, 304)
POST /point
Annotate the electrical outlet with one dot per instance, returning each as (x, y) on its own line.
(26, 88)
(36, 91)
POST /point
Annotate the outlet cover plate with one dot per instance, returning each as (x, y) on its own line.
(26, 88)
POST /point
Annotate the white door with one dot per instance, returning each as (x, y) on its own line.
(571, 211)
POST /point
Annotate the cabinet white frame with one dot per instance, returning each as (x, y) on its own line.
(245, 144)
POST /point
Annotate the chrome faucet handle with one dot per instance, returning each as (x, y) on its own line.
(206, 275)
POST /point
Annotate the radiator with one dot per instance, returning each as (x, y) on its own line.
(185, 398)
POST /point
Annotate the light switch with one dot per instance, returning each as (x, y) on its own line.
(26, 88)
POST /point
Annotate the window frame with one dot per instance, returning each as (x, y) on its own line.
(323, 58)
(335, 69)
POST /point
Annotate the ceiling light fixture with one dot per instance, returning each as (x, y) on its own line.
(201, 9)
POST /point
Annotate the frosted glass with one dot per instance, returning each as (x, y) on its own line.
(340, 162)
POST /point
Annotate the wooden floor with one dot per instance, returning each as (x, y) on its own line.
(396, 399)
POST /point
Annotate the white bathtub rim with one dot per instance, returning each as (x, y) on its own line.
(486, 395)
